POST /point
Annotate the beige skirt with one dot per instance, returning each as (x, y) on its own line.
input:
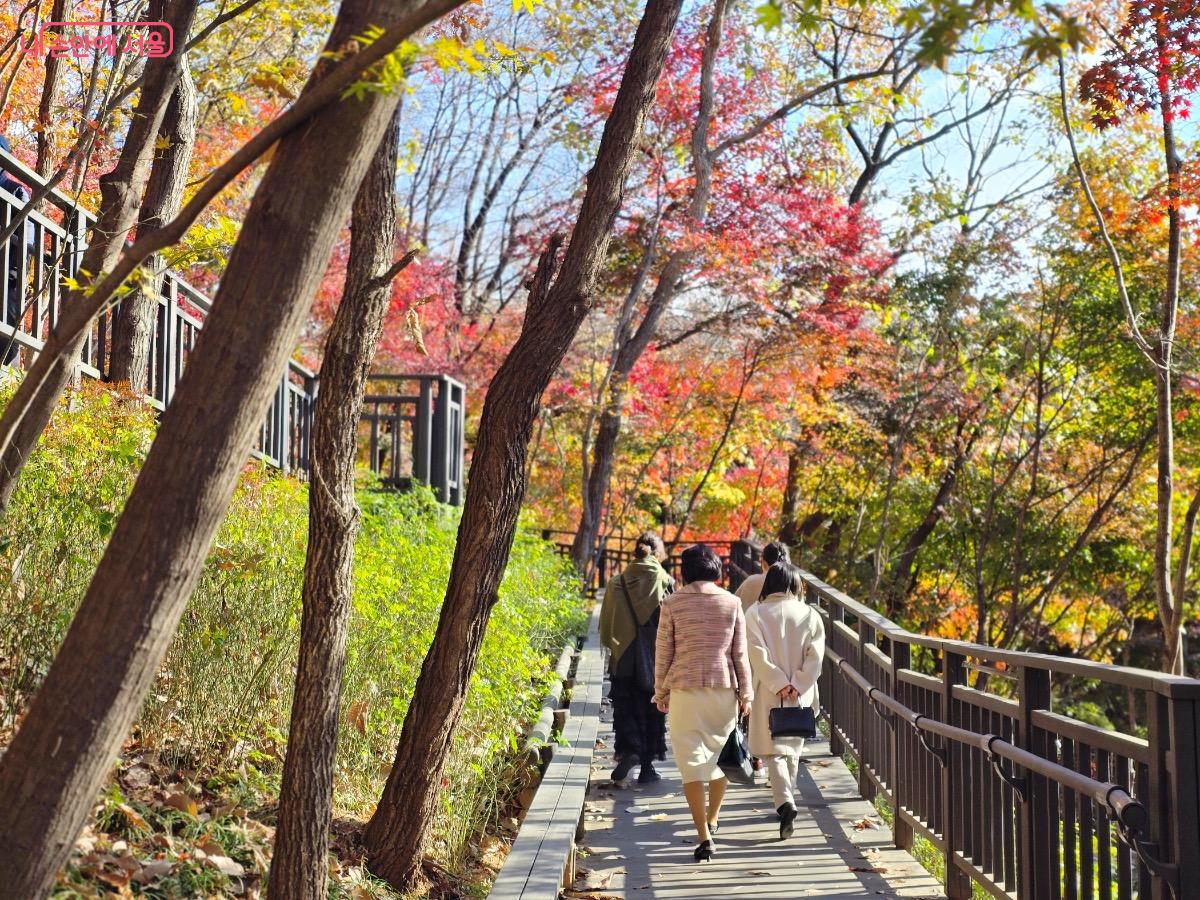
(700, 721)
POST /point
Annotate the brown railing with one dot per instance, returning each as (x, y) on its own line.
(414, 426)
(52, 250)
(970, 748)
(615, 551)
(966, 746)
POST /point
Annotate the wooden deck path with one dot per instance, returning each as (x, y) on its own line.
(639, 840)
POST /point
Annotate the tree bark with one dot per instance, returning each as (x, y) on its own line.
(1170, 606)
(630, 344)
(60, 12)
(789, 514)
(120, 193)
(133, 320)
(299, 868)
(58, 760)
(397, 833)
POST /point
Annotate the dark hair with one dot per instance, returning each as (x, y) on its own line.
(776, 551)
(648, 544)
(699, 562)
(782, 578)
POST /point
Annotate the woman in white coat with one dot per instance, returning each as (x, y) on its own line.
(786, 642)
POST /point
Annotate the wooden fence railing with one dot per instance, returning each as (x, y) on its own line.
(971, 749)
(58, 238)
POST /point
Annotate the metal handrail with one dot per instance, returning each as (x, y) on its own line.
(1168, 685)
(1131, 816)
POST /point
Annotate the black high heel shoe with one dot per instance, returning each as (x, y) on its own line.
(714, 827)
(705, 851)
(787, 819)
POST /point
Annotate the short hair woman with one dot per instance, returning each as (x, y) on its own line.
(702, 679)
(632, 599)
(787, 646)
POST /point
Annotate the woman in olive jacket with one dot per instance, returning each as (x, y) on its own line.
(632, 599)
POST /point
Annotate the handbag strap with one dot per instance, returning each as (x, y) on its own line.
(629, 603)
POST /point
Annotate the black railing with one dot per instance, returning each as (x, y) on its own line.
(414, 427)
(52, 252)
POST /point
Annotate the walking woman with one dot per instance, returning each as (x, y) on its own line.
(787, 646)
(702, 680)
(632, 599)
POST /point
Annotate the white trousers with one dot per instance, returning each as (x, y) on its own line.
(782, 771)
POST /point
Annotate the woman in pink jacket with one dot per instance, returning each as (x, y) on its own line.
(702, 679)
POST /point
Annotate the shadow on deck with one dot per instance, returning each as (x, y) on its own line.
(639, 840)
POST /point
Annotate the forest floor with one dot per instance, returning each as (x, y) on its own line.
(166, 831)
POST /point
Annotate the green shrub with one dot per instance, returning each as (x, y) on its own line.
(220, 703)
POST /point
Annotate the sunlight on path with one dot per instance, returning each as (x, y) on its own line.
(640, 839)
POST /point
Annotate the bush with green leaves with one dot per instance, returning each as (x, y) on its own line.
(220, 703)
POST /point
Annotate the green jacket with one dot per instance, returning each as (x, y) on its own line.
(648, 585)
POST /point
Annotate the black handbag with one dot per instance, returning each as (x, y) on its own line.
(638, 659)
(792, 722)
(735, 759)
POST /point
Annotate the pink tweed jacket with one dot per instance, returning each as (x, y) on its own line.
(701, 642)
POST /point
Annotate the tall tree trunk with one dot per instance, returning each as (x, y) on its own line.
(120, 198)
(56, 764)
(299, 868)
(1170, 606)
(133, 319)
(60, 12)
(397, 832)
(789, 513)
(632, 344)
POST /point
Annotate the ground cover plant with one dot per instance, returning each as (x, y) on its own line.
(189, 809)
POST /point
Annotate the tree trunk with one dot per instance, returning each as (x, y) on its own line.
(120, 193)
(789, 514)
(56, 764)
(397, 832)
(60, 12)
(632, 344)
(1170, 606)
(299, 868)
(133, 320)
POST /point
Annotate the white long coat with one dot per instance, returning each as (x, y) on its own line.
(786, 642)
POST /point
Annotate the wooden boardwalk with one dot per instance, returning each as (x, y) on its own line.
(639, 840)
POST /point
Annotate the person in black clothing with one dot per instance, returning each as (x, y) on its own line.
(632, 599)
(14, 295)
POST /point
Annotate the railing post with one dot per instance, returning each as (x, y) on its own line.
(1174, 789)
(902, 833)
(866, 787)
(836, 748)
(958, 886)
(1035, 869)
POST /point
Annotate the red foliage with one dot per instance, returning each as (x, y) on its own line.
(1153, 66)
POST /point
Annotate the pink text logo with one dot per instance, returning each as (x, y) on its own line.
(82, 39)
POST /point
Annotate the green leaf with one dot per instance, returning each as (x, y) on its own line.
(769, 15)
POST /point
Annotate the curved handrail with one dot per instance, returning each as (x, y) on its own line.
(1142, 679)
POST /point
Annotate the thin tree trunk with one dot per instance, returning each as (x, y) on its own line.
(632, 344)
(789, 514)
(1170, 606)
(61, 12)
(299, 868)
(52, 771)
(133, 319)
(397, 833)
(121, 194)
